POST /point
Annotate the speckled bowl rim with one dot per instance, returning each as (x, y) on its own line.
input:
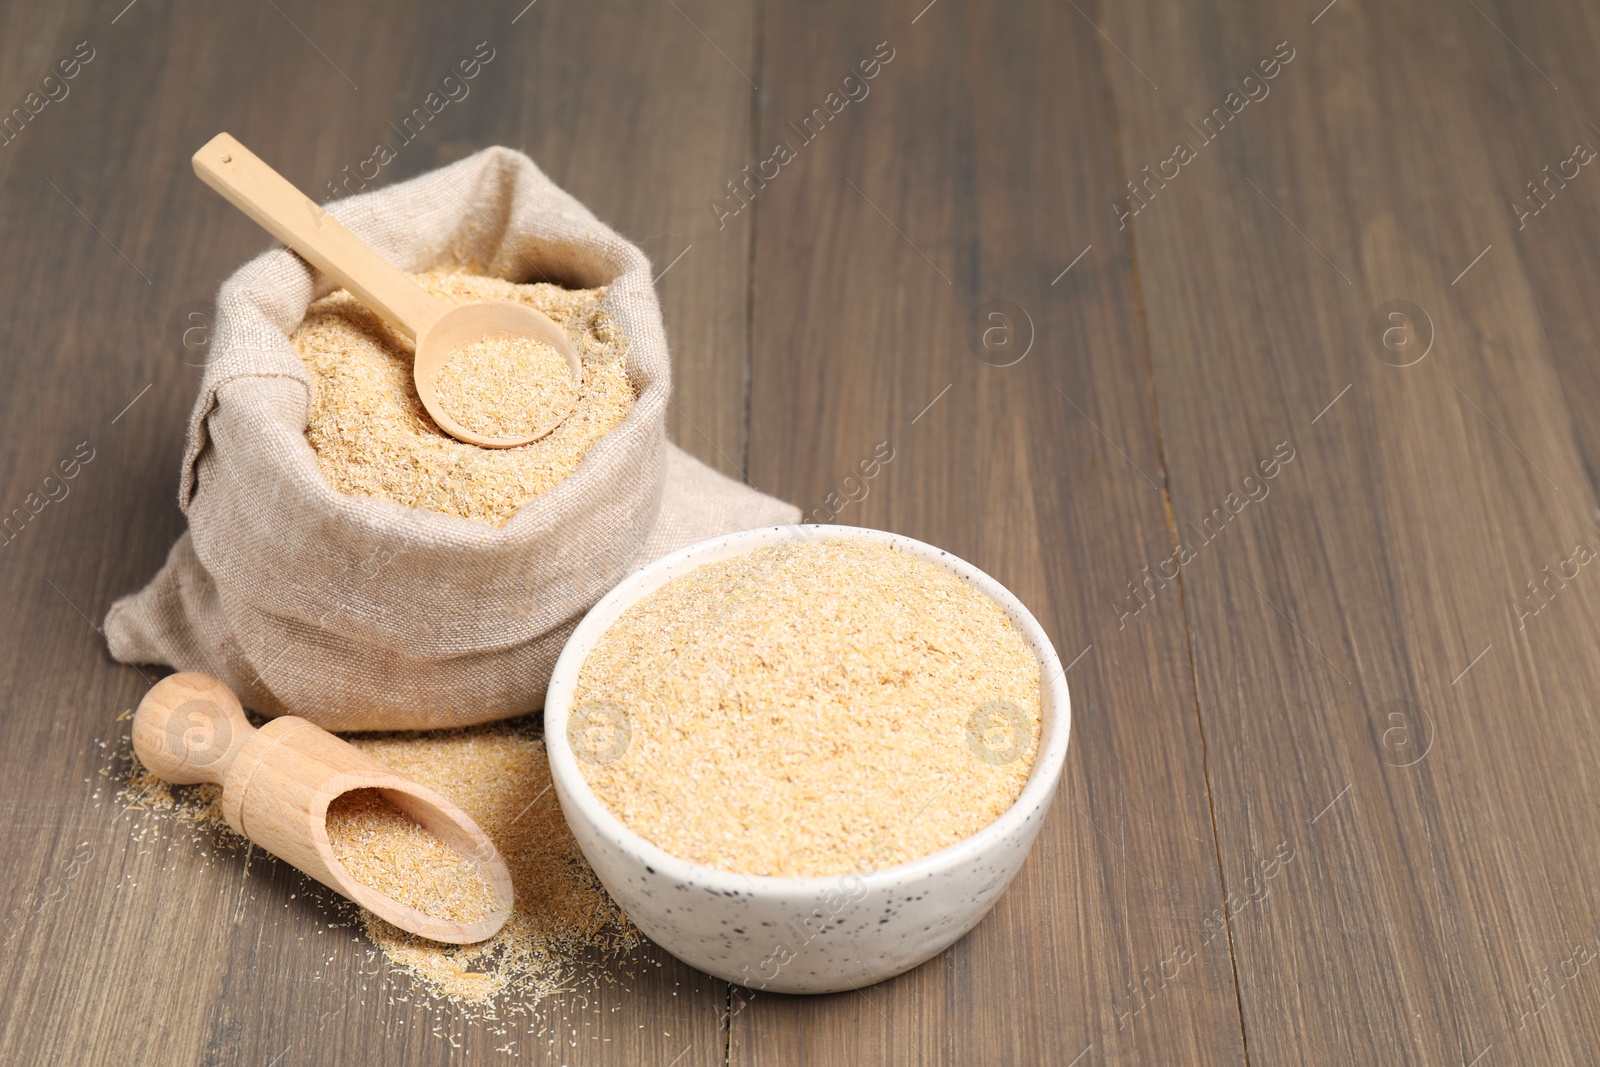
(1049, 759)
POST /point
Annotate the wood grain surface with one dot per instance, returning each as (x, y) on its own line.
(1371, 691)
(1286, 435)
(902, 230)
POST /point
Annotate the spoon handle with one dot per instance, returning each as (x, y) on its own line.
(299, 222)
(189, 728)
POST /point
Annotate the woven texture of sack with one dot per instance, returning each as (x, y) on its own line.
(359, 613)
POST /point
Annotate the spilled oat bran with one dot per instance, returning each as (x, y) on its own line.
(562, 916)
(564, 930)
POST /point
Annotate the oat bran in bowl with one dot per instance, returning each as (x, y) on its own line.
(883, 851)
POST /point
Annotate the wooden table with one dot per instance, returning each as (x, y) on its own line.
(1231, 336)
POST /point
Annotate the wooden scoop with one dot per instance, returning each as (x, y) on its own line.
(276, 785)
(437, 328)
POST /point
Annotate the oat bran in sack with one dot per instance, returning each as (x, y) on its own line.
(359, 613)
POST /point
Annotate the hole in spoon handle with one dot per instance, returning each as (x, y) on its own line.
(299, 222)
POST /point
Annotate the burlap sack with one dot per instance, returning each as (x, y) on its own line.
(362, 614)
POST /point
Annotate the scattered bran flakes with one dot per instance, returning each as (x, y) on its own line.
(196, 805)
(385, 849)
(505, 386)
(562, 918)
(372, 437)
(809, 709)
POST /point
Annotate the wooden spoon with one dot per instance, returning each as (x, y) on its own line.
(276, 785)
(437, 328)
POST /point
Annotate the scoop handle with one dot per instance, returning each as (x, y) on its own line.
(188, 729)
(299, 222)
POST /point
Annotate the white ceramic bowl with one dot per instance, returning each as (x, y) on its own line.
(803, 935)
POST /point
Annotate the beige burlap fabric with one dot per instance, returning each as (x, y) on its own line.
(362, 614)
